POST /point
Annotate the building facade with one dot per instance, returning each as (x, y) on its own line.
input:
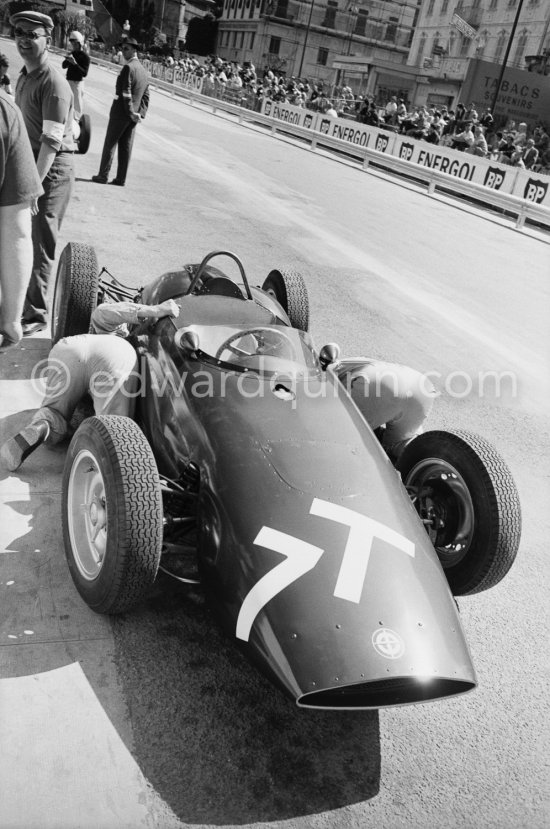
(304, 38)
(172, 17)
(78, 6)
(452, 34)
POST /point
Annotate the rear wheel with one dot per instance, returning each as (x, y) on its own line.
(83, 141)
(75, 294)
(467, 499)
(289, 289)
(112, 513)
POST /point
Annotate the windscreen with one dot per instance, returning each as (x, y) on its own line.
(264, 349)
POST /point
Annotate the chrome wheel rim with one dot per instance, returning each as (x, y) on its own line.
(444, 504)
(87, 515)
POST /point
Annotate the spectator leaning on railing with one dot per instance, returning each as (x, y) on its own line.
(463, 140)
(479, 147)
(530, 154)
(506, 149)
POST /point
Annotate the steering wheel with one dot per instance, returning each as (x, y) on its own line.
(279, 340)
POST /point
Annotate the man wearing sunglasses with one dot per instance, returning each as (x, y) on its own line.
(46, 101)
(128, 109)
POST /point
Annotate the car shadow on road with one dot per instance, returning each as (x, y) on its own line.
(217, 741)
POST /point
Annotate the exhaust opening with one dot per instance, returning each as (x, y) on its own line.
(384, 693)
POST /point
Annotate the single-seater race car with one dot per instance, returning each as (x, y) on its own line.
(250, 467)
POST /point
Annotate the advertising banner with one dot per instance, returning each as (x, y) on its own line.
(533, 187)
(483, 171)
(188, 79)
(513, 180)
(173, 74)
(455, 163)
(523, 96)
(289, 114)
(355, 133)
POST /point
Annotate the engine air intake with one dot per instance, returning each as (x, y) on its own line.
(385, 693)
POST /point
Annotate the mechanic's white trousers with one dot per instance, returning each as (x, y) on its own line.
(78, 98)
(103, 365)
(389, 394)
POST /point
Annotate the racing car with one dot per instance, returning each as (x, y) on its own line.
(251, 468)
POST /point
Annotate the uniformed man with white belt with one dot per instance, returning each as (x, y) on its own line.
(46, 101)
(128, 109)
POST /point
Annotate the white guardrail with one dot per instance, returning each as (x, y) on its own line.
(518, 194)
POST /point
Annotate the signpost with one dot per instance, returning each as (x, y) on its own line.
(463, 27)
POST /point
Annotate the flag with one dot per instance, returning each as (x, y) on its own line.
(107, 27)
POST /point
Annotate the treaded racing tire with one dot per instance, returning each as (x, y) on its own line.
(112, 513)
(289, 289)
(76, 291)
(462, 481)
(83, 142)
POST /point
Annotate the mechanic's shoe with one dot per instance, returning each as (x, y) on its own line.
(32, 326)
(99, 180)
(6, 342)
(18, 448)
(118, 183)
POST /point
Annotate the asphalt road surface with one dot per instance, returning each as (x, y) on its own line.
(154, 719)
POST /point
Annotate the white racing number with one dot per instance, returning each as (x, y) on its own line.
(301, 557)
(362, 532)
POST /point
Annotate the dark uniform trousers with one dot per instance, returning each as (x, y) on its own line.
(120, 132)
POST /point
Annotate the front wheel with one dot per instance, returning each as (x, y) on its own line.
(467, 499)
(290, 291)
(76, 291)
(112, 513)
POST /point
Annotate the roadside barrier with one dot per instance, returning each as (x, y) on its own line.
(518, 194)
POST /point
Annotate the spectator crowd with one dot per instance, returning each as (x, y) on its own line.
(463, 129)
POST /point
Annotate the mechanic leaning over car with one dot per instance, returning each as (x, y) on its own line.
(106, 367)
(103, 365)
(391, 395)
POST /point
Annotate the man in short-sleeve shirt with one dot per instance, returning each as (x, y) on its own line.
(19, 187)
(46, 101)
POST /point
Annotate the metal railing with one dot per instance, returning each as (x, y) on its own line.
(436, 182)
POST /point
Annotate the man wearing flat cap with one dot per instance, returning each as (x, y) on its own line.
(128, 109)
(46, 101)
